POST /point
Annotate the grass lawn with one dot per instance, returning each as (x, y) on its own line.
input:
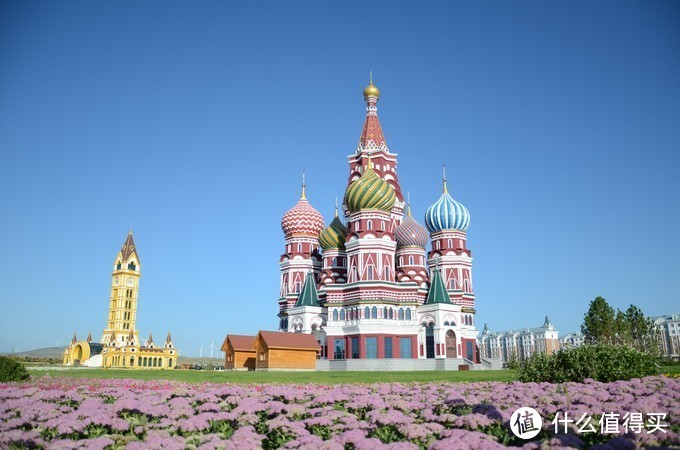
(198, 376)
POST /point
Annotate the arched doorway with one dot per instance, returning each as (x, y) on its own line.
(451, 347)
(429, 341)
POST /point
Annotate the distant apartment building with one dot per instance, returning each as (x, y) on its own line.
(669, 334)
(519, 344)
(572, 340)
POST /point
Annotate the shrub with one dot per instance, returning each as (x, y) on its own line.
(12, 370)
(600, 362)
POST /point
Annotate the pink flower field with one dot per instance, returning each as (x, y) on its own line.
(61, 413)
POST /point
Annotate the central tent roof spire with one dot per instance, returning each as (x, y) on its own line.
(372, 137)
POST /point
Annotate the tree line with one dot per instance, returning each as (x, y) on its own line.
(604, 325)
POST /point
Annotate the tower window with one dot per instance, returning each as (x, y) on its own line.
(369, 225)
(382, 225)
(299, 248)
(374, 313)
(334, 262)
(369, 273)
(450, 243)
(387, 273)
(410, 260)
(118, 266)
(132, 266)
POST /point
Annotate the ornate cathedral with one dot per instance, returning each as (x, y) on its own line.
(366, 286)
(120, 345)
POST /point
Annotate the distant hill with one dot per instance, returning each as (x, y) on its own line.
(58, 352)
(48, 352)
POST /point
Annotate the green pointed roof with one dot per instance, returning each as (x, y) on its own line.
(309, 296)
(437, 292)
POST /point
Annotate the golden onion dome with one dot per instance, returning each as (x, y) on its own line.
(370, 192)
(371, 91)
(334, 235)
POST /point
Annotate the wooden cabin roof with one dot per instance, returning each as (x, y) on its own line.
(279, 339)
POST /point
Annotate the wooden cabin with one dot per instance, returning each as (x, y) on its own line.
(280, 350)
(238, 352)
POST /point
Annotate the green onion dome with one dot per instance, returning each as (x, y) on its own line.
(370, 192)
(334, 235)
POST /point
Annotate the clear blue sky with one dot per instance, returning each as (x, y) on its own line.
(559, 123)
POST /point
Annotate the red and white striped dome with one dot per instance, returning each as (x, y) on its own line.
(302, 219)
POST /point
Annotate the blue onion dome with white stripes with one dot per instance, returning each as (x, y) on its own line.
(447, 214)
(410, 233)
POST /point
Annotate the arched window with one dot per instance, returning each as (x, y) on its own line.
(297, 287)
(334, 262)
(410, 260)
(290, 248)
(450, 243)
(299, 248)
(387, 273)
(118, 265)
(385, 312)
(438, 245)
(335, 315)
(369, 272)
(391, 313)
(446, 323)
(369, 225)
(374, 313)
(408, 313)
(342, 314)
(367, 312)
(401, 314)
(452, 283)
(382, 225)
(132, 266)
(420, 260)
(401, 260)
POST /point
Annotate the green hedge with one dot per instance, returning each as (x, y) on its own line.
(12, 370)
(600, 362)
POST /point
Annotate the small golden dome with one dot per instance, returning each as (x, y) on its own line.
(371, 91)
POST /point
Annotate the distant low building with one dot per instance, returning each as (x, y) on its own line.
(570, 340)
(281, 350)
(120, 345)
(238, 352)
(519, 344)
(669, 334)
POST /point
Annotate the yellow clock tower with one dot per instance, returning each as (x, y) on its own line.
(120, 346)
(124, 292)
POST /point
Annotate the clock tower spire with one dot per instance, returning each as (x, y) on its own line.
(120, 328)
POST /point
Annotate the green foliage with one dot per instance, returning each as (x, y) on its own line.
(12, 370)
(600, 362)
(603, 325)
(513, 362)
(640, 331)
(599, 323)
